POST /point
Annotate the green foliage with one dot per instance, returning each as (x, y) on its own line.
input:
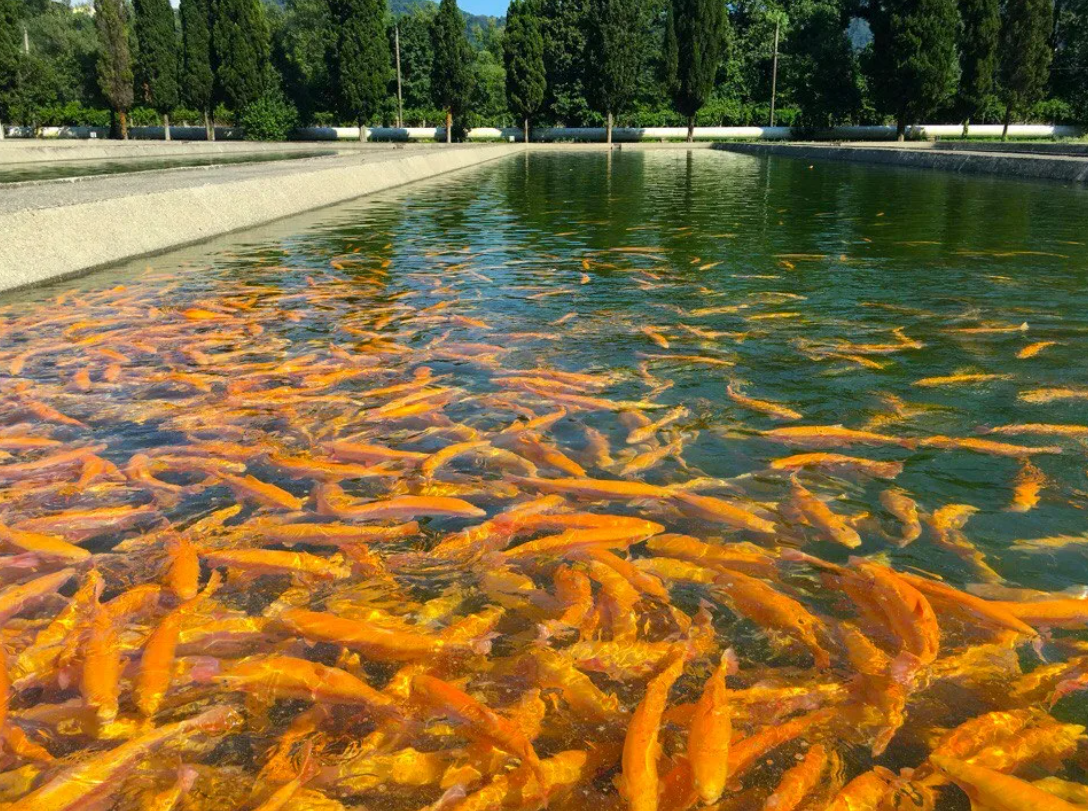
(821, 68)
(9, 55)
(978, 54)
(1069, 72)
(197, 78)
(563, 25)
(302, 51)
(416, 57)
(361, 62)
(241, 49)
(694, 43)
(451, 66)
(523, 54)
(270, 117)
(114, 58)
(915, 61)
(1025, 51)
(157, 57)
(615, 36)
(488, 107)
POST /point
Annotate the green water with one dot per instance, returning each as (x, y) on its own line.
(770, 274)
(21, 173)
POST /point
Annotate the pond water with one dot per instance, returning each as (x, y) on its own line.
(508, 478)
(57, 170)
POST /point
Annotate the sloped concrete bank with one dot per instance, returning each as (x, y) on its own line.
(56, 229)
(1070, 169)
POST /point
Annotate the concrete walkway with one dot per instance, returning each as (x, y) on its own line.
(1068, 168)
(59, 228)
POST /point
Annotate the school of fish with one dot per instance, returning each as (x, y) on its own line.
(381, 566)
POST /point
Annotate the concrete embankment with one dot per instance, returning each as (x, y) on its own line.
(1068, 168)
(59, 228)
(27, 151)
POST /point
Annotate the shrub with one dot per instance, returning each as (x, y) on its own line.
(270, 118)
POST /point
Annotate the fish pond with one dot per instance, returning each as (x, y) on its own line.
(652, 480)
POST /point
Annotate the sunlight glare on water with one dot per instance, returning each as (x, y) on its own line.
(483, 465)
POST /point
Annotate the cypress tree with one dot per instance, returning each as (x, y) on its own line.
(1069, 71)
(978, 56)
(240, 50)
(197, 78)
(821, 67)
(914, 50)
(1025, 54)
(613, 56)
(523, 52)
(451, 68)
(114, 58)
(563, 28)
(9, 57)
(694, 41)
(362, 65)
(157, 56)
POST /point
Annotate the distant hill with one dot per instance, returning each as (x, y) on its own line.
(408, 6)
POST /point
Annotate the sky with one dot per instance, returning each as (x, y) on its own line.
(496, 8)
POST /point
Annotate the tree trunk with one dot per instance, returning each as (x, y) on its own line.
(691, 128)
(526, 129)
(166, 126)
(1008, 118)
(901, 125)
(608, 130)
(124, 125)
(209, 127)
(449, 127)
(966, 127)
(1, 130)
(363, 134)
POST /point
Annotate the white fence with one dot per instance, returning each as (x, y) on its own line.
(552, 134)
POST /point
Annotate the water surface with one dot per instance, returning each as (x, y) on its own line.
(605, 292)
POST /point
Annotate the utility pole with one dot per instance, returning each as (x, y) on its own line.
(774, 70)
(400, 101)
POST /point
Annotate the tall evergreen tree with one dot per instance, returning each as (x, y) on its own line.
(978, 56)
(914, 49)
(523, 52)
(9, 58)
(157, 57)
(820, 66)
(615, 43)
(240, 50)
(563, 28)
(694, 42)
(197, 78)
(362, 62)
(451, 68)
(114, 58)
(416, 57)
(1025, 54)
(1069, 72)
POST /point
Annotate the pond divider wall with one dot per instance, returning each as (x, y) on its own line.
(51, 239)
(1068, 168)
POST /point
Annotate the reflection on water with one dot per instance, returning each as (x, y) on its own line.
(474, 497)
(18, 173)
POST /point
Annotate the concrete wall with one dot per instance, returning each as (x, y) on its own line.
(40, 244)
(1043, 167)
(868, 133)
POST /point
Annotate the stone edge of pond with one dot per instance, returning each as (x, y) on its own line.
(47, 244)
(1069, 169)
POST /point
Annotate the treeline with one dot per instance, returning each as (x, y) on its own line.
(270, 65)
